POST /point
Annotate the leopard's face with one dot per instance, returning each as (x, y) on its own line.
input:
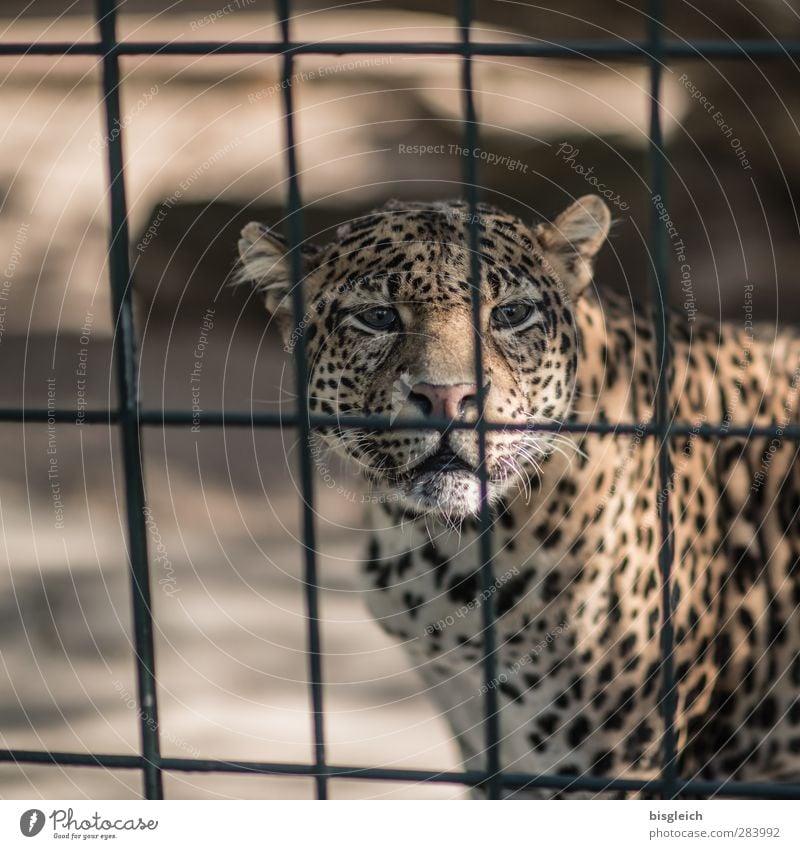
(391, 344)
(390, 332)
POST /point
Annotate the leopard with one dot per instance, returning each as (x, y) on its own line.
(558, 455)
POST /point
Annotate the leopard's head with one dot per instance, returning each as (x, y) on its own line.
(390, 332)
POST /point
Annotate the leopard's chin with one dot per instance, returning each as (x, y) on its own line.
(445, 486)
(449, 495)
(452, 493)
(444, 483)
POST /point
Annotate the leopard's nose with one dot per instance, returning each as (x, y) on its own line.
(447, 402)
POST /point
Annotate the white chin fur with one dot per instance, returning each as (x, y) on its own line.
(453, 494)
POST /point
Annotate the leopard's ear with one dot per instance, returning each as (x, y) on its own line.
(264, 262)
(570, 243)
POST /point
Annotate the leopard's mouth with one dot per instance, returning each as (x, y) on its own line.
(441, 461)
(444, 483)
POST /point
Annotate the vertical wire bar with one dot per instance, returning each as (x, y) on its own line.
(485, 538)
(295, 237)
(125, 352)
(666, 553)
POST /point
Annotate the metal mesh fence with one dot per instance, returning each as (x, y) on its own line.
(655, 50)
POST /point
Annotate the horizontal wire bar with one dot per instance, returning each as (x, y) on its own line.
(31, 756)
(750, 48)
(471, 778)
(39, 414)
(243, 418)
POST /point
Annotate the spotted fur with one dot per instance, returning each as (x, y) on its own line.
(576, 527)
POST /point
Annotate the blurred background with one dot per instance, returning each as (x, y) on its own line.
(203, 143)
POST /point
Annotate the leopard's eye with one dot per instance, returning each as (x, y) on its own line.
(379, 318)
(512, 315)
